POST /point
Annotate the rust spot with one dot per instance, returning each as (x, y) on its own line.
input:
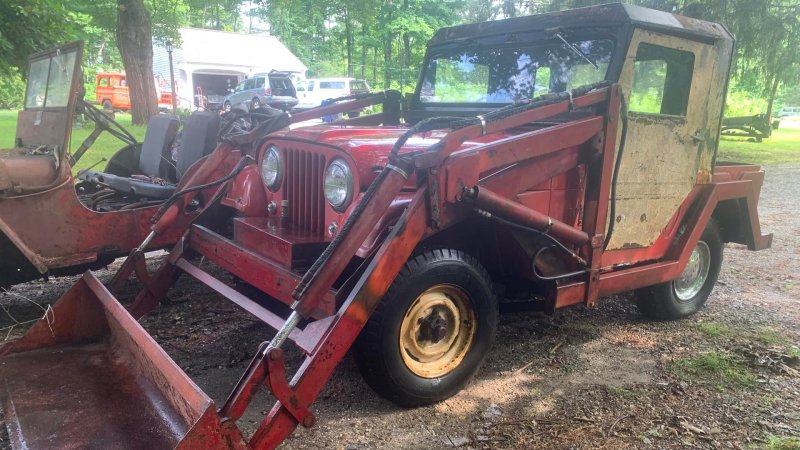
(643, 218)
(619, 219)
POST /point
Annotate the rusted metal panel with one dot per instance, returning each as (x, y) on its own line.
(666, 155)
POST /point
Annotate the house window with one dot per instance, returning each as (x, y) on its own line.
(662, 79)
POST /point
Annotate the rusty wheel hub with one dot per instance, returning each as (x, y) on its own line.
(437, 331)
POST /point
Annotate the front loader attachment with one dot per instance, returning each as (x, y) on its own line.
(87, 375)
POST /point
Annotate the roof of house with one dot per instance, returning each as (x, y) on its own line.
(221, 48)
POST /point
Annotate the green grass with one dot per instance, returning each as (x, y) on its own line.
(783, 147)
(104, 147)
(771, 337)
(721, 369)
(713, 329)
(783, 443)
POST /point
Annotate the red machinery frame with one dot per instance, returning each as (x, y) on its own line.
(450, 189)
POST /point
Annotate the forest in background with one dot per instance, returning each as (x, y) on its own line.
(382, 41)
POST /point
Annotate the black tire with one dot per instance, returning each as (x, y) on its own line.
(226, 107)
(256, 103)
(107, 106)
(661, 302)
(379, 354)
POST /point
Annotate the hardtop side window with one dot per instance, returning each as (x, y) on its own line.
(358, 85)
(259, 83)
(662, 79)
(102, 82)
(248, 84)
(310, 86)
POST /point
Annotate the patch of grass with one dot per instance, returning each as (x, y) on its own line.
(771, 337)
(781, 148)
(714, 329)
(783, 443)
(104, 147)
(627, 394)
(721, 369)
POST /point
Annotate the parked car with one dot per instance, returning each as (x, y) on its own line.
(788, 111)
(312, 92)
(111, 92)
(274, 89)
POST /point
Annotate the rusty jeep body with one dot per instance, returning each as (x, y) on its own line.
(547, 161)
(54, 222)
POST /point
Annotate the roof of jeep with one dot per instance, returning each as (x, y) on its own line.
(609, 15)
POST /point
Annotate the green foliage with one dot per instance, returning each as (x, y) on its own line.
(29, 26)
(743, 103)
(12, 89)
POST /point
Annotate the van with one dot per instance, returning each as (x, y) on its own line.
(311, 92)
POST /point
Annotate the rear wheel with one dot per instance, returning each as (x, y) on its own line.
(107, 105)
(431, 331)
(688, 293)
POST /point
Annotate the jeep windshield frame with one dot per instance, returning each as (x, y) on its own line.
(493, 75)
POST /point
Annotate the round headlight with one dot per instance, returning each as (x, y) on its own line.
(338, 184)
(271, 168)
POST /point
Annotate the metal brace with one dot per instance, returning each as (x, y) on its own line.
(483, 125)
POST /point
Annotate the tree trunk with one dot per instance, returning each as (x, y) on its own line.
(363, 49)
(348, 27)
(776, 81)
(135, 42)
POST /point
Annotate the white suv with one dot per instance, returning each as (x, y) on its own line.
(311, 92)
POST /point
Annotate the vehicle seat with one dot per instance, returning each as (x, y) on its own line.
(161, 132)
(198, 139)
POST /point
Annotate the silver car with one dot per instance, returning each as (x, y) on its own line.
(274, 89)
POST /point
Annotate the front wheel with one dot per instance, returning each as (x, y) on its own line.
(256, 103)
(431, 331)
(227, 107)
(688, 293)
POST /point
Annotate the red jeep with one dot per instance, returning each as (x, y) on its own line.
(553, 159)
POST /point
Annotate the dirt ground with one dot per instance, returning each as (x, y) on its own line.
(583, 378)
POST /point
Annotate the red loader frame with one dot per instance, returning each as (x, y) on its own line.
(449, 190)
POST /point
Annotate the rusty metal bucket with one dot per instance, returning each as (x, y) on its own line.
(89, 376)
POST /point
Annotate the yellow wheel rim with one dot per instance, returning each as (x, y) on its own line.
(437, 331)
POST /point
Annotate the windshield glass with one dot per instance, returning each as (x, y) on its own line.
(508, 74)
(50, 81)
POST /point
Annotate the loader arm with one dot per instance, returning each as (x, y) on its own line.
(89, 317)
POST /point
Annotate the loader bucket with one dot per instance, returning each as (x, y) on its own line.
(87, 375)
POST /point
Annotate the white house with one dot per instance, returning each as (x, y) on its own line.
(211, 62)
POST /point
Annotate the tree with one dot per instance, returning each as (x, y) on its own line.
(29, 26)
(135, 43)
